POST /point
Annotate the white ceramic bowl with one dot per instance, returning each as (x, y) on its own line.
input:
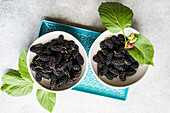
(115, 82)
(45, 84)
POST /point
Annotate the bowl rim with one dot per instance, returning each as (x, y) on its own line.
(108, 85)
(39, 41)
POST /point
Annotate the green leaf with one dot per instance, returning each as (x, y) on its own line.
(14, 77)
(18, 83)
(5, 87)
(142, 51)
(46, 99)
(23, 70)
(115, 16)
(15, 84)
(19, 90)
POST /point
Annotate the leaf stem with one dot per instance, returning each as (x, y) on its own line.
(124, 38)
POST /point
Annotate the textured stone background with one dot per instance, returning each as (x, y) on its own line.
(19, 25)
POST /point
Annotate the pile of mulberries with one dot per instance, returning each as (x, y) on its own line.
(58, 61)
(113, 60)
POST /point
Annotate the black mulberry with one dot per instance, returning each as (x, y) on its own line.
(109, 76)
(80, 59)
(52, 62)
(118, 62)
(76, 67)
(109, 58)
(130, 73)
(37, 48)
(39, 76)
(103, 45)
(122, 76)
(61, 39)
(56, 48)
(96, 58)
(101, 56)
(109, 43)
(115, 40)
(114, 71)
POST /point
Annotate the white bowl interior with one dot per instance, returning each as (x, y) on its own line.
(45, 84)
(115, 82)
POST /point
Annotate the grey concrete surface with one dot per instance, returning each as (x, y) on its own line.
(19, 25)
